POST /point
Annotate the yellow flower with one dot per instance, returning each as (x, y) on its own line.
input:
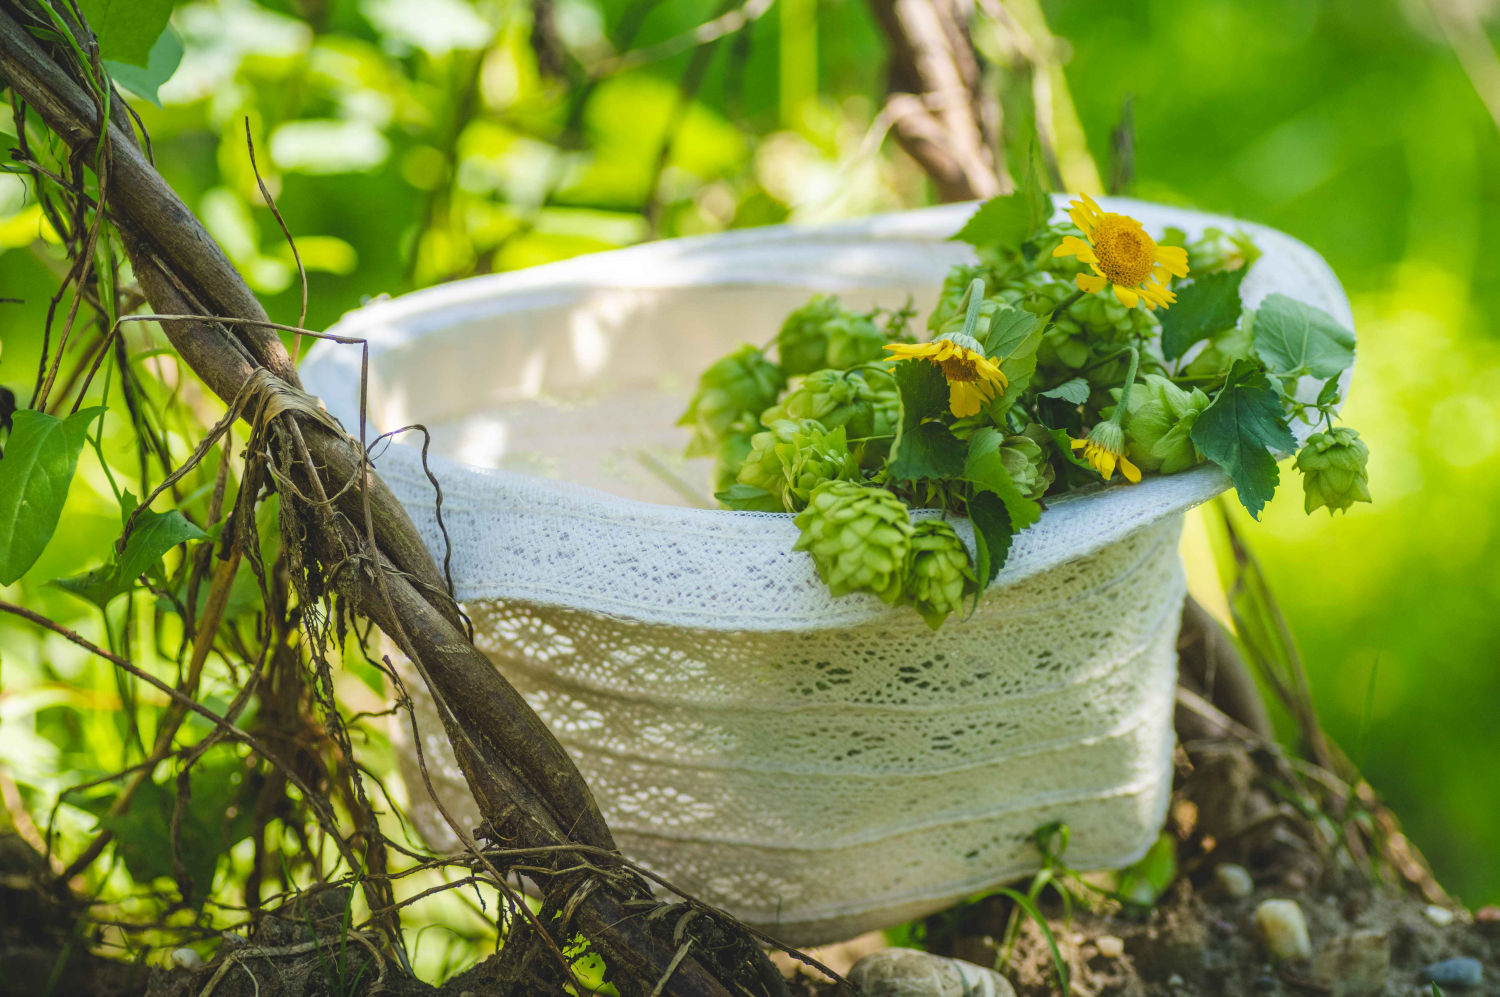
(1121, 255)
(1104, 448)
(973, 379)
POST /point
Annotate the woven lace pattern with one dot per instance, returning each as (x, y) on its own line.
(823, 783)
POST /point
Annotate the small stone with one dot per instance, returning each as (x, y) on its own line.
(1440, 916)
(1460, 973)
(1354, 965)
(1284, 929)
(1234, 880)
(186, 958)
(1488, 918)
(1109, 946)
(910, 973)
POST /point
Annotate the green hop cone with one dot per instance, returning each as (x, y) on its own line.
(823, 333)
(1159, 425)
(863, 400)
(791, 458)
(939, 573)
(736, 389)
(1333, 470)
(1025, 459)
(859, 537)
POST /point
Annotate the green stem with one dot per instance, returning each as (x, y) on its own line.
(973, 298)
(1135, 362)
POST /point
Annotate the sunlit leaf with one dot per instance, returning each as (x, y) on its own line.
(35, 475)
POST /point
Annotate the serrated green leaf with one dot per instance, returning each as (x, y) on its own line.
(127, 29)
(35, 475)
(1074, 392)
(919, 451)
(1242, 430)
(1293, 337)
(154, 534)
(928, 452)
(1208, 305)
(145, 81)
(992, 534)
(984, 469)
(1001, 223)
(1013, 339)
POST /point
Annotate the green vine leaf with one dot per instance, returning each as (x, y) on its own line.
(1242, 430)
(923, 449)
(154, 534)
(984, 469)
(1208, 305)
(992, 534)
(1074, 391)
(127, 29)
(145, 81)
(1004, 223)
(35, 475)
(1295, 338)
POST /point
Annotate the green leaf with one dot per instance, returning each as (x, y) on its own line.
(1013, 339)
(1329, 394)
(219, 813)
(1001, 223)
(1144, 882)
(992, 534)
(154, 534)
(928, 451)
(923, 449)
(1004, 223)
(1242, 430)
(1074, 392)
(1208, 305)
(166, 56)
(127, 29)
(35, 475)
(749, 498)
(984, 469)
(1295, 338)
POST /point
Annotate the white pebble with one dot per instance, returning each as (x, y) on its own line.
(1109, 946)
(1440, 916)
(1234, 880)
(910, 973)
(186, 958)
(1284, 929)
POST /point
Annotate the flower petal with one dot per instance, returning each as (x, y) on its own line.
(1128, 297)
(1174, 258)
(1074, 246)
(1091, 283)
(1131, 472)
(1078, 444)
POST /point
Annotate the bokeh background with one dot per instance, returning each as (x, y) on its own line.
(410, 142)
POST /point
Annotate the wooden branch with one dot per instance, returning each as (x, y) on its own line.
(941, 113)
(527, 788)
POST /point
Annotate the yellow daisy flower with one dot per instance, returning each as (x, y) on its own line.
(1104, 448)
(973, 379)
(1122, 256)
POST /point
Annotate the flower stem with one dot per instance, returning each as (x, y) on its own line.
(973, 298)
(1135, 362)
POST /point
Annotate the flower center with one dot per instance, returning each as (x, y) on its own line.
(1124, 251)
(959, 369)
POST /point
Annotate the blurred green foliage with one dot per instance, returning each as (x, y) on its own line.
(409, 142)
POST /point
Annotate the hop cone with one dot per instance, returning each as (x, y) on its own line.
(792, 458)
(938, 571)
(1159, 425)
(735, 390)
(729, 458)
(864, 401)
(823, 333)
(1026, 461)
(1216, 249)
(859, 537)
(1333, 470)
